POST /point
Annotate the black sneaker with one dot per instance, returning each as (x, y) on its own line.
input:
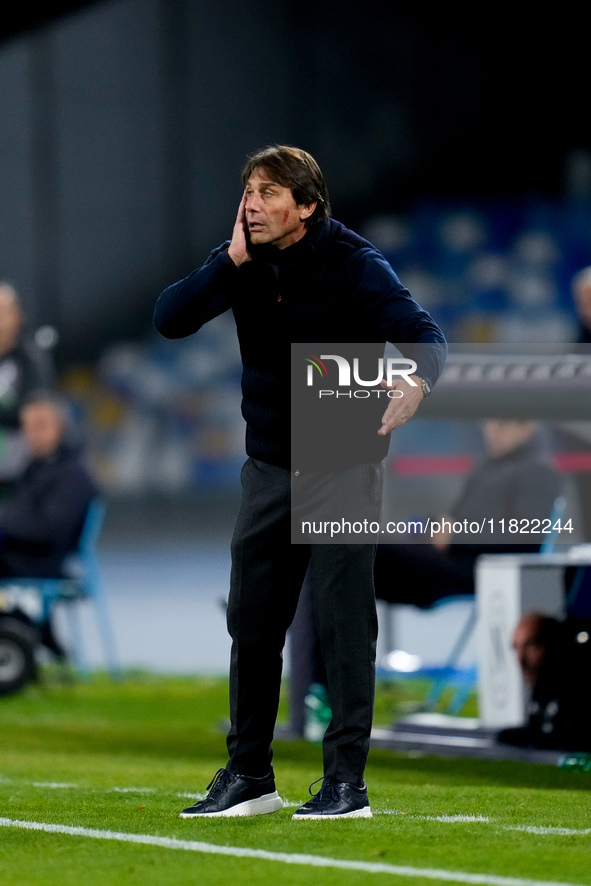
(335, 799)
(231, 794)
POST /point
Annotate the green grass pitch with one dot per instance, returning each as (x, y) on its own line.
(104, 762)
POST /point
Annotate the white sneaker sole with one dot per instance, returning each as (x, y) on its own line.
(260, 806)
(356, 813)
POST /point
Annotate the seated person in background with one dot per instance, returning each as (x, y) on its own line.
(534, 635)
(41, 519)
(555, 661)
(515, 480)
(24, 367)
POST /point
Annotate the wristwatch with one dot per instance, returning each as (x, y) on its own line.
(425, 386)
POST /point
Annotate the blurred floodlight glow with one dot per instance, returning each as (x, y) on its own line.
(403, 662)
(46, 337)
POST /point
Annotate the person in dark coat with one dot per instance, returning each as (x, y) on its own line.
(292, 274)
(516, 480)
(42, 518)
(555, 661)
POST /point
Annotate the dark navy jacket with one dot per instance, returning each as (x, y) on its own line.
(330, 286)
(41, 520)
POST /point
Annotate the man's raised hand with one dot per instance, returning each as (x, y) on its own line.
(238, 248)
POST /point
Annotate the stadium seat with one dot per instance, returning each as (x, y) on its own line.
(35, 598)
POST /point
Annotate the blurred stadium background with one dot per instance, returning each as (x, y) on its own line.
(456, 144)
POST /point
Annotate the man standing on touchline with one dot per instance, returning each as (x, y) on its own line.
(291, 273)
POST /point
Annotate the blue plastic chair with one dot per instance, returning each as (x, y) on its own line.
(37, 597)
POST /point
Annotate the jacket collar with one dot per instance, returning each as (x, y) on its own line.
(312, 239)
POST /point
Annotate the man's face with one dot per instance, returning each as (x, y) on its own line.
(271, 213)
(43, 427)
(501, 437)
(529, 649)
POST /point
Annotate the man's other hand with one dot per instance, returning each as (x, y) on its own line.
(400, 409)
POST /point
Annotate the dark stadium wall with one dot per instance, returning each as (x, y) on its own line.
(124, 125)
(123, 129)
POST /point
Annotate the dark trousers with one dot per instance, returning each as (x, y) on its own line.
(267, 575)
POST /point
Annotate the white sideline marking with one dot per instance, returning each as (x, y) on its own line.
(543, 830)
(58, 785)
(281, 857)
(54, 785)
(446, 819)
(563, 832)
